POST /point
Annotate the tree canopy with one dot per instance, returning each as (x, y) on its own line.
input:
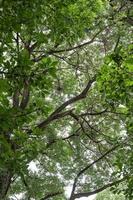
(108, 195)
(66, 89)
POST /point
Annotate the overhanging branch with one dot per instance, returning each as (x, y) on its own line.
(86, 194)
(78, 46)
(55, 114)
(87, 167)
(50, 195)
(52, 51)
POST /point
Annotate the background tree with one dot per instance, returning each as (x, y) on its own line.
(65, 97)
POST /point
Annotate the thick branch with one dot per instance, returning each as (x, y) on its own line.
(16, 98)
(86, 194)
(5, 182)
(25, 95)
(55, 114)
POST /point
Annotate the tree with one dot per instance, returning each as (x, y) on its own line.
(65, 97)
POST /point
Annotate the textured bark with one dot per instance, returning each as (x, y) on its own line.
(5, 181)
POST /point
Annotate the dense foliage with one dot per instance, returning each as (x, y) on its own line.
(66, 89)
(108, 195)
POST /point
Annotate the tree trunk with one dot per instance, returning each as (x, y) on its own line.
(5, 181)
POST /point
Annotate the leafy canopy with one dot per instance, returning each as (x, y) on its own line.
(65, 97)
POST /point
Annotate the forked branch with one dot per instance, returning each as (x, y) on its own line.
(55, 114)
(72, 197)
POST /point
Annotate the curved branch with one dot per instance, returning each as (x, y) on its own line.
(51, 52)
(78, 46)
(86, 194)
(51, 195)
(87, 167)
(82, 95)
